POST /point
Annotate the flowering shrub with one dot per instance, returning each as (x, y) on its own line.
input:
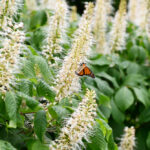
(45, 105)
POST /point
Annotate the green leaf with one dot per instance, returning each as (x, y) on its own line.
(37, 145)
(145, 71)
(89, 82)
(117, 128)
(20, 120)
(33, 51)
(133, 68)
(40, 124)
(4, 145)
(117, 115)
(142, 96)
(25, 86)
(111, 143)
(100, 61)
(38, 19)
(31, 102)
(116, 73)
(133, 52)
(134, 80)
(103, 99)
(43, 66)
(107, 131)
(61, 112)
(97, 139)
(100, 114)
(145, 115)
(2, 107)
(11, 108)
(52, 112)
(105, 110)
(28, 69)
(95, 56)
(104, 87)
(108, 77)
(141, 137)
(141, 54)
(124, 64)
(124, 98)
(43, 89)
(147, 44)
(37, 38)
(148, 140)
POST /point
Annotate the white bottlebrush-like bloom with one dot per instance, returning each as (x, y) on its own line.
(100, 19)
(118, 32)
(78, 126)
(138, 12)
(133, 13)
(109, 6)
(48, 4)
(148, 20)
(73, 14)
(40, 4)
(128, 139)
(12, 42)
(32, 5)
(109, 10)
(56, 31)
(67, 81)
(8, 8)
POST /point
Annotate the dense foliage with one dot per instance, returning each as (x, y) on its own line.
(122, 86)
(31, 117)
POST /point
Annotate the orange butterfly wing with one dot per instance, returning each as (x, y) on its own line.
(84, 70)
(81, 73)
(88, 72)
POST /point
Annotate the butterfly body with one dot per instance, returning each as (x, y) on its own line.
(84, 70)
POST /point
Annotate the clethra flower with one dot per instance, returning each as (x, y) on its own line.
(40, 4)
(117, 41)
(100, 19)
(8, 8)
(139, 12)
(32, 5)
(56, 31)
(73, 14)
(9, 55)
(128, 139)
(48, 4)
(133, 14)
(67, 81)
(78, 125)
(109, 7)
(147, 26)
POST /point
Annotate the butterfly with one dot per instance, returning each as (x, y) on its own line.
(84, 70)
